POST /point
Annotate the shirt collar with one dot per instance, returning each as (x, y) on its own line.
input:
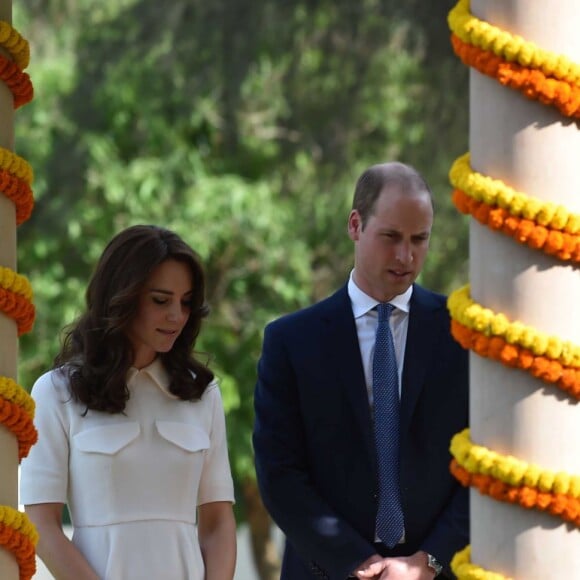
(157, 373)
(363, 303)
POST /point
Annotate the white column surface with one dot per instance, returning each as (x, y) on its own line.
(8, 337)
(535, 150)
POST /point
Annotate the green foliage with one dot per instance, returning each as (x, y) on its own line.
(242, 125)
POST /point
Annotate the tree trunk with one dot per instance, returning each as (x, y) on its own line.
(264, 548)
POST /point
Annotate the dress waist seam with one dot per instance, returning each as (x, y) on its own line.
(132, 521)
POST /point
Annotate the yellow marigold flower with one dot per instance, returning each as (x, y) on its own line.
(554, 348)
(514, 333)
(16, 165)
(503, 469)
(575, 486)
(488, 196)
(13, 392)
(480, 322)
(499, 325)
(475, 451)
(517, 205)
(540, 344)
(532, 476)
(532, 208)
(471, 464)
(561, 483)
(518, 472)
(10, 280)
(505, 198)
(546, 481)
(486, 464)
(573, 225)
(527, 338)
(544, 216)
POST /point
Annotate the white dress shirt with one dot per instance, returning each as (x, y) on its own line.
(367, 319)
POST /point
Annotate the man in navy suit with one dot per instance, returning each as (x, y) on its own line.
(316, 458)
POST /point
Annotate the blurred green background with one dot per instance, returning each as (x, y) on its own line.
(242, 125)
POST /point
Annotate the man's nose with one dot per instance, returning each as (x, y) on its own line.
(404, 253)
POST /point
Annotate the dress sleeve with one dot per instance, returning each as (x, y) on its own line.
(44, 473)
(216, 480)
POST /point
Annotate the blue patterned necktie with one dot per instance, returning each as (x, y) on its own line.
(390, 525)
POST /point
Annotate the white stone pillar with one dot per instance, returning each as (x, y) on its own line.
(9, 569)
(535, 150)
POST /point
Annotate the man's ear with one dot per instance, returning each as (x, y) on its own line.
(354, 225)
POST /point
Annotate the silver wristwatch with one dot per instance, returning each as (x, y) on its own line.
(434, 564)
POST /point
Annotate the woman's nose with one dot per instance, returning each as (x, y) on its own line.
(175, 312)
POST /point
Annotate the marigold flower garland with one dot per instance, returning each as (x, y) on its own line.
(16, 178)
(496, 348)
(465, 570)
(19, 192)
(17, 81)
(467, 312)
(16, 299)
(494, 192)
(16, 165)
(511, 480)
(512, 47)
(560, 505)
(513, 344)
(18, 535)
(532, 83)
(12, 71)
(16, 45)
(555, 243)
(17, 414)
(477, 459)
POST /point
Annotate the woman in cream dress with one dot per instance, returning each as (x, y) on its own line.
(131, 428)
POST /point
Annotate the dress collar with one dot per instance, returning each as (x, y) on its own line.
(156, 371)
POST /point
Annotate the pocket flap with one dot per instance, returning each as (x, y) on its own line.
(186, 436)
(107, 439)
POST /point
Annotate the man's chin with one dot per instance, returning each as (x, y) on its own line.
(399, 284)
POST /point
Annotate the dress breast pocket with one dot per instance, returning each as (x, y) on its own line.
(185, 450)
(98, 462)
(187, 437)
(106, 439)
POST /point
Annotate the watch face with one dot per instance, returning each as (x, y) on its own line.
(434, 564)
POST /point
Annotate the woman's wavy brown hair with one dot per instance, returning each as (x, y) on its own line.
(96, 352)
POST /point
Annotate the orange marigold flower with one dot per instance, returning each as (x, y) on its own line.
(509, 355)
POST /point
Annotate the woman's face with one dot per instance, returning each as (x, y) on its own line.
(163, 310)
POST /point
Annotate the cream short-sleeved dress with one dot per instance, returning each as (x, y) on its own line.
(132, 481)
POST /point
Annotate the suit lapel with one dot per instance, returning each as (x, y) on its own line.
(343, 352)
(419, 352)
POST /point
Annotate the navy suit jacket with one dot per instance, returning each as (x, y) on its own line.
(314, 444)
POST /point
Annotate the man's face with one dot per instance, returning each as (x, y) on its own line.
(390, 250)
